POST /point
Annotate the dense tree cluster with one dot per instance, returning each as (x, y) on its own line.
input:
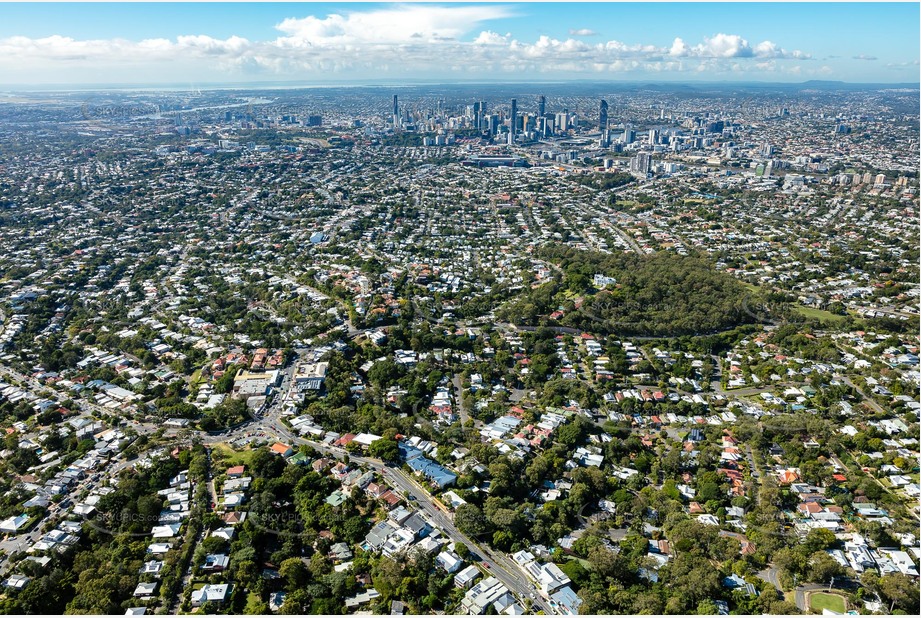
(664, 294)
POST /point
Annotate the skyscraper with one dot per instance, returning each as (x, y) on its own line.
(493, 123)
(603, 115)
(562, 121)
(396, 106)
(541, 105)
(513, 118)
(480, 119)
(641, 163)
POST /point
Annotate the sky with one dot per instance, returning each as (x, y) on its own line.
(322, 43)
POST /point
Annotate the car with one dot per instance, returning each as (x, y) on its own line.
(411, 498)
(486, 564)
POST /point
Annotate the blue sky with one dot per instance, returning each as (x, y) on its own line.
(324, 42)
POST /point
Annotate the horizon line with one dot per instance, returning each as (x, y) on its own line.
(408, 83)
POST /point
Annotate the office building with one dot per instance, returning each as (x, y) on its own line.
(641, 163)
(562, 122)
(492, 124)
(513, 120)
(603, 115)
(480, 119)
(542, 106)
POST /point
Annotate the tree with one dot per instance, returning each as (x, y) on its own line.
(319, 565)
(296, 603)
(819, 539)
(789, 560)
(295, 572)
(822, 568)
(470, 520)
(706, 608)
(901, 591)
(387, 576)
(603, 560)
(462, 550)
(385, 449)
(694, 580)
(572, 433)
(502, 539)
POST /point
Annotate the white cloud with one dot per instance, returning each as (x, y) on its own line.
(581, 32)
(398, 41)
(732, 46)
(767, 49)
(401, 24)
(902, 65)
(59, 48)
(679, 49)
(724, 46)
(488, 37)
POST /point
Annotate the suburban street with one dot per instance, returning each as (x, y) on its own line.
(504, 569)
(501, 566)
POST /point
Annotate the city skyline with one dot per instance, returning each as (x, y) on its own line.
(323, 43)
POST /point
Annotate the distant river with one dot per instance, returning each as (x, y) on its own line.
(248, 101)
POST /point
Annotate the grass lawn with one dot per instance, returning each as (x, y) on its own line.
(585, 563)
(808, 312)
(697, 200)
(253, 603)
(232, 457)
(818, 314)
(823, 600)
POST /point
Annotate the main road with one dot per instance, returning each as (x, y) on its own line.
(500, 566)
